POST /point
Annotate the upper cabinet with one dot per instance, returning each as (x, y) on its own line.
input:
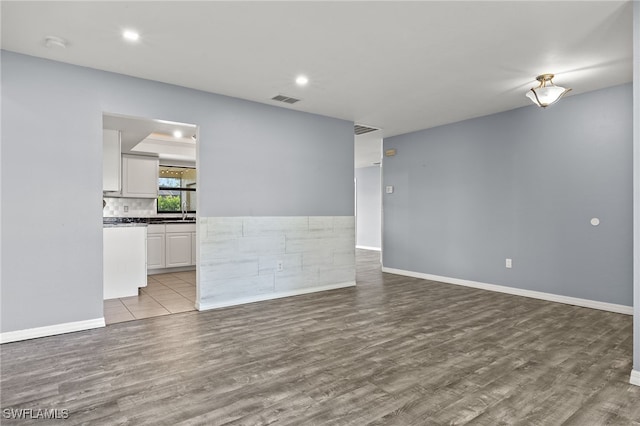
(139, 176)
(111, 160)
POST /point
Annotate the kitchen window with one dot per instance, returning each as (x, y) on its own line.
(176, 185)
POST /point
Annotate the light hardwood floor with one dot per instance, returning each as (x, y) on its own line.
(392, 351)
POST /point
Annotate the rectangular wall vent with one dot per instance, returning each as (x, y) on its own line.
(359, 129)
(285, 99)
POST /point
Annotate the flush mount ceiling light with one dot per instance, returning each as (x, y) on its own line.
(130, 35)
(546, 93)
(53, 41)
(302, 80)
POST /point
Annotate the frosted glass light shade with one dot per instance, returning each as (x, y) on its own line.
(546, 93)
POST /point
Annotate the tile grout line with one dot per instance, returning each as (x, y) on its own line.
(176, 292)
(143, 292)
(127, 308)
(160, 303)
(116, 322)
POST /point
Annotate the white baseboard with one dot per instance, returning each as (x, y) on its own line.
(368, 248)
(635, 377)
(50, 330)
(262, 297)
(594, 304)
(170, 270)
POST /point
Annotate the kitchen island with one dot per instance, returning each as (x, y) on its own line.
(124, 259)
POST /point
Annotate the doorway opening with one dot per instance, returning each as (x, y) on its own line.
(150, 239)
(368, 189)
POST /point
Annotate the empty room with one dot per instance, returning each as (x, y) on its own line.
(312, 213)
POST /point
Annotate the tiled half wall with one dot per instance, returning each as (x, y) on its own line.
(239, 257)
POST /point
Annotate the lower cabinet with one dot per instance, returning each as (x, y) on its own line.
(171, 245)
(178, 249)
(155, 247)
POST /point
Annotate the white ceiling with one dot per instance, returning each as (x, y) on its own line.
(155, 137)
(398, 66)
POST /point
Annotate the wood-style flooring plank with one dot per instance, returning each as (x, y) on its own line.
(392, 351)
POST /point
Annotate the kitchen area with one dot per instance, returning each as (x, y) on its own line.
(149, 217)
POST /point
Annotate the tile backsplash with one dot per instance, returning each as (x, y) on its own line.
(136, 207)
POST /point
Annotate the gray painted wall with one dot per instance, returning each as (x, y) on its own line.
(522, 184)
(369, 207)
(254, 160)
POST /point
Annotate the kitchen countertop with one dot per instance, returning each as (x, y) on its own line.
(123, 225)
(109, 222)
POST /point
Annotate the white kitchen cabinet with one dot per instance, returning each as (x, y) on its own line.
(179, 244)
(170, 246)
(111, 160)
(139, 176)
(193, 248)
(178, 249)
(155, 246)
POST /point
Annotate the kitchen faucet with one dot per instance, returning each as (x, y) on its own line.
(183, 210)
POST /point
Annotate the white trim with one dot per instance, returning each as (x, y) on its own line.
(171, 270)
(635, 377)
(368, 248)
(636, 192)
(261, 297)
(594, 304)
(50, 330)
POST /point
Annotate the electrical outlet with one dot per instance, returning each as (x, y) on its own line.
(507, 263)
(279, 265)
(126, 209)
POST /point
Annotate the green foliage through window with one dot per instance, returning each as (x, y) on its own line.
(176, 186)
(169, 203)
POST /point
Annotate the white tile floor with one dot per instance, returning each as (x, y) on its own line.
(164, 294)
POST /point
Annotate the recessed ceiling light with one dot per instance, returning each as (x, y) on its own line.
(130, 35)
(302, 80)
(177, 134)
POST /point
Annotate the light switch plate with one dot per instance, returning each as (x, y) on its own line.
(389, 189)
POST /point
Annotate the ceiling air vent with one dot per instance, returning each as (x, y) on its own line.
(285, 99)
(361, 130)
